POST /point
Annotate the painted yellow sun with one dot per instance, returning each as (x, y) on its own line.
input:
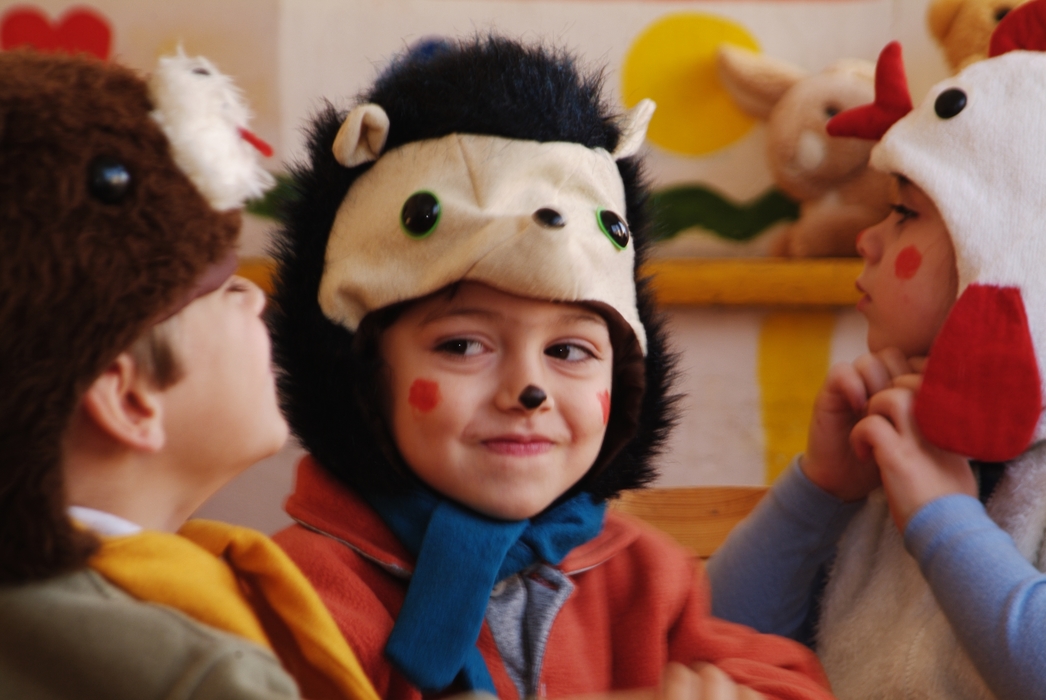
(673, 63)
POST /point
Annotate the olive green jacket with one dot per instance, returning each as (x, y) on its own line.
(78, 636)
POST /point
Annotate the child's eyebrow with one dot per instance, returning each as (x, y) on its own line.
(439, 313)
(899, 185)
(584, 317)
(489, 314)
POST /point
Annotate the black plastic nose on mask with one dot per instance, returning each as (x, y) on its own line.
(532, 397)
(549, 218)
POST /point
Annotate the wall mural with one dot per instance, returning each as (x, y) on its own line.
(736, 131)
(77, 30)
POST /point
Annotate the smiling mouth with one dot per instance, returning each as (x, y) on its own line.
(518, 446)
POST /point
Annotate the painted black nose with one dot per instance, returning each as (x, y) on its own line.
(532, 397)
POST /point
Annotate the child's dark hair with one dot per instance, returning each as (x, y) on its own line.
(486, 86)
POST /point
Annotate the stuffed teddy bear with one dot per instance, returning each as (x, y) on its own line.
(963, 28)
(839, 195)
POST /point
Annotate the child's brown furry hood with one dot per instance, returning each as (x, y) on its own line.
(80, 277)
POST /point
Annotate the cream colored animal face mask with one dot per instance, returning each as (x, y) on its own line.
(540, 220)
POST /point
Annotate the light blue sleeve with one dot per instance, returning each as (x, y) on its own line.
(993, 597)
(766, 575)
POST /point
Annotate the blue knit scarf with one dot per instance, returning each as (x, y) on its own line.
(460, 556)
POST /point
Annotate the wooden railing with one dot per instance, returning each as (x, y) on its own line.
(698, 517)
(706, 282)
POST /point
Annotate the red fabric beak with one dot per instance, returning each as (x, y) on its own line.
(892, 101)
(981, 395)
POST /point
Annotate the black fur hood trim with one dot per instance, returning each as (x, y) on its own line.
(487, 86)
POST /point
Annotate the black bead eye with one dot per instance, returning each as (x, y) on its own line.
(1002, 12)
(420, 214)
(949, 103)
(108, 180)
(614, 227)
(201, 71)
(831, 110)
(549, 218)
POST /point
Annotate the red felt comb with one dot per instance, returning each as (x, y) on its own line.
(1022, 29)
(892, 100)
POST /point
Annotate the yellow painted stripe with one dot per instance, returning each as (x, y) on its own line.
(757, 282)
(794, 350)
(768, 282)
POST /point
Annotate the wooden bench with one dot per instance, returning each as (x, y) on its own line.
(699, 517)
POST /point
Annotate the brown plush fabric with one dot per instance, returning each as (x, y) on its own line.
(80, 279)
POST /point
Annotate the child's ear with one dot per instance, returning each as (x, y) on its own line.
(124, 404)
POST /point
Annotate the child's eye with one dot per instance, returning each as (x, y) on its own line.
(568, 352)
(904, 212)
(460, 346)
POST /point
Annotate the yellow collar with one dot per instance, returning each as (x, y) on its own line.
(237, 580)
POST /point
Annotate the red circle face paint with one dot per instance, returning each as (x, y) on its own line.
(424, 395)
(604, 402)
(907, 263)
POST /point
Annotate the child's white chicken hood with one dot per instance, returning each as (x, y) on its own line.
(977, 146)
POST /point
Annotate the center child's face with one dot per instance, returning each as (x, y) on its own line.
(458, 364)
(909, 279)
(222, 416)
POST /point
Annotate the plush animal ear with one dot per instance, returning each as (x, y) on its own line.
(941, 15)
(980, 395)
(1022, 29)
(361, 136)
(633, 129)
(754, 81)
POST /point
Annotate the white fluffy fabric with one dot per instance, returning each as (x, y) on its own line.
(489, 189)
(881, 634)
(985, 168)
(202, 112)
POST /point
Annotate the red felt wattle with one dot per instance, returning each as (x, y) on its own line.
(980, 394)
(80, 30)
(1022, 29)
(892, 101)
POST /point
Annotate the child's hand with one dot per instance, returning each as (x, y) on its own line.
(913, 471)
(701, 682)
(830, 462)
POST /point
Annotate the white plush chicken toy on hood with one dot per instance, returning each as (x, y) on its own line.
(977, 147)
(204, 116)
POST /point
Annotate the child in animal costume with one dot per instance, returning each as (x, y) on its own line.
(474, 366)
(936, 589)
(136, 380)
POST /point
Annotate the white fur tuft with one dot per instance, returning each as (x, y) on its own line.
(202, 113)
